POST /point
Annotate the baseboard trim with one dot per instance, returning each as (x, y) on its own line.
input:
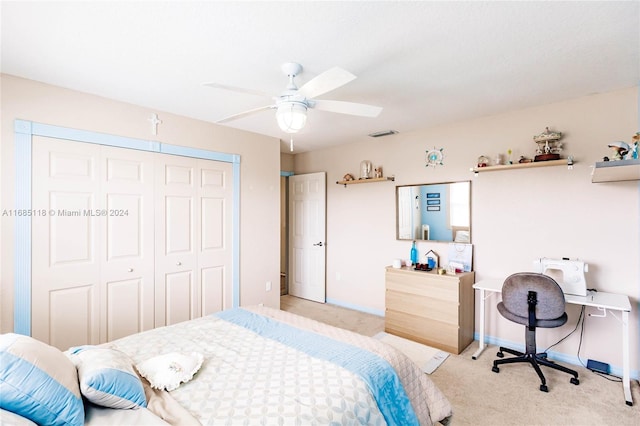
(355, 307)
(556, 356)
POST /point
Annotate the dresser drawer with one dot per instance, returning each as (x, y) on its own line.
(423, 330)
(428, 285)
(422, 306)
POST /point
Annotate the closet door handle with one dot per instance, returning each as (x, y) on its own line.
(318, 244)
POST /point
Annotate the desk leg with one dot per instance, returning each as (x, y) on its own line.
(482, 321)
(626, 385)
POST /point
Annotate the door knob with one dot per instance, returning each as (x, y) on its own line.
(318, 244)
(130, 270)
(179, 263)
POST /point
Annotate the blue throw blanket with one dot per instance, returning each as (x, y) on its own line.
(376, 372)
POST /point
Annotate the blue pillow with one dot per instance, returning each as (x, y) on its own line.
(37, 381)
(107, 377)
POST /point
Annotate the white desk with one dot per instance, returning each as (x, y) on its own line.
(600, 300)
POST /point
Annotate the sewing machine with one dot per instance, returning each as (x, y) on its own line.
(569, 274)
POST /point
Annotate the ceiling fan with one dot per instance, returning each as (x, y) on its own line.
(293, 103)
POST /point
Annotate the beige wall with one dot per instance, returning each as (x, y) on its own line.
(259, 181)
(517, 215)
(286, 162)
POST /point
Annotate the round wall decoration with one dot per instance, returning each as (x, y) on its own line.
(434, 157)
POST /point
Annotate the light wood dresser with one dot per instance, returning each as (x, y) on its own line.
(437, 310)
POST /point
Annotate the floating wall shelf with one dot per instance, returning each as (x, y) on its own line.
(616, 171)
(351, 182)
(566, 162)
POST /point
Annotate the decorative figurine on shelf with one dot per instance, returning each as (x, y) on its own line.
(377, 172)
(483, 161)
(524, 159)
(633, 153)
(509, 152)
(549, 146)
(348, 177)
(365, 169)
(620, 150)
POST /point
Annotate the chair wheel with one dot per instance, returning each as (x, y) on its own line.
(500, 354)
(544, 388)
(575, 381)
(495, 369)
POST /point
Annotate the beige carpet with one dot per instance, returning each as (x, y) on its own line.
(426, 357)
(511, 397)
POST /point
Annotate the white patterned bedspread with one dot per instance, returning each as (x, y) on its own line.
(250, 379)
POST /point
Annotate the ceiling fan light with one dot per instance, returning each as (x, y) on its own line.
(291, 117)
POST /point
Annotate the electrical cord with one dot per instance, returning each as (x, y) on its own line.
(580, 319)
(581, 322)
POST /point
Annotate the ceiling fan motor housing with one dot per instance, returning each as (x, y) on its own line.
(291, 69)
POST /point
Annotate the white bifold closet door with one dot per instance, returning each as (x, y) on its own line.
(100, 255)
(193, 253)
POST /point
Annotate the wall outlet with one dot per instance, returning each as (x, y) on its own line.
(268, 286)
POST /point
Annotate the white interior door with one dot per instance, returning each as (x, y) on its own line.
(127, 269)
(92, 257)
(307, 233)
(66, 250)
(176, 245)
(193, 246)
(126, 240)
(215, 251)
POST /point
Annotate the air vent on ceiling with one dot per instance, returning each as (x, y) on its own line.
(383, 133)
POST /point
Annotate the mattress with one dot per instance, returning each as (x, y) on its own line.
(266, 366)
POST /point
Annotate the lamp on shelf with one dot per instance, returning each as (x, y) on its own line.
(291, 116)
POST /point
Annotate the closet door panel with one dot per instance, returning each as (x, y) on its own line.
(71, 228)
(125, 226)
(128, 264)
(215, 254)
(179, 217)
(176, 216)
(124, 299)
(131, 240)
(179, 291)
(67, 243)
(212, 289)
(77, 325)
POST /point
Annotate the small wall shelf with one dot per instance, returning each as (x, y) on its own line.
(566, 162)
(616, 171)
(351, 182)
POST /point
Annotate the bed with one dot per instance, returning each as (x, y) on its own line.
(257, 366)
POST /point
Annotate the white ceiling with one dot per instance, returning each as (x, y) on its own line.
(426, 63)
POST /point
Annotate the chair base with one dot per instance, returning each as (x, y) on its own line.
(535, 360)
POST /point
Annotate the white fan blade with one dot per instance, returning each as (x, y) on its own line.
(245, 113)
(238, 89)
(352, 108)
(326, 82)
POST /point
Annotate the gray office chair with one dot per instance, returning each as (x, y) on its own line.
(534, 300)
